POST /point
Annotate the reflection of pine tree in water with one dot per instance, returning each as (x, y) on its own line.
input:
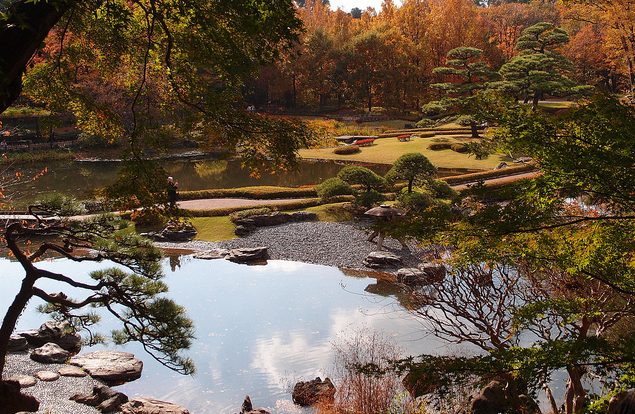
(175, 261)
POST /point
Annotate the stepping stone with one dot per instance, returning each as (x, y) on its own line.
(71, 371)
(110, 366)
(50, 354)
(25, 381)
(212, 254)
(47, 376)
(247, 254)
(380, 259)
(151, 406)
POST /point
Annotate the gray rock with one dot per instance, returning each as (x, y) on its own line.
(50, 354)
(104, 398)
(307, 393)
(501, 166)
(25, 381)
(17, 343)
(379, 259)
(248, 254)
(110, 366)
(47, 376)
(247, 408)
(242, 230)
(59, 333)
(72, 371)
(212, 254)
(411, 276)
(151, 406)
(434, 272)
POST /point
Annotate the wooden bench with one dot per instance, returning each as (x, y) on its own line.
(364, 142)
(404, 138)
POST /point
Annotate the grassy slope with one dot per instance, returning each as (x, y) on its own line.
(387, 150)
(214, 228)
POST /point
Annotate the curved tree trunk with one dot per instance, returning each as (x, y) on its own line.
(11, 317)
(21, 35)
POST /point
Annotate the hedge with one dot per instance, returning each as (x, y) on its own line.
(460, 148)
(300, 204)
(347, 150)
(257, 192)
(438, 146)
(483, 175)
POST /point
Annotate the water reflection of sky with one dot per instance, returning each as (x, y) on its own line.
(259, 329)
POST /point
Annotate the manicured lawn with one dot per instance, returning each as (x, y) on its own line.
(331, 212)
(387, 150)
(214, 228)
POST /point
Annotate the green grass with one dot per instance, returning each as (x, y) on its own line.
(556, 104)
(24, 111)
(332, 212)
(213, 228)
(36, 157)
(388, 150)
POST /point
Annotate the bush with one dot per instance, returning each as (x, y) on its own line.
(62, 205)
(441, 189)
(425, 123)
(361, 176)
(149, 217)
(460, 148)
(347, 150)
(333, 187)
(369, 198)
(464, 120)
(438, 146)
(415, 201)
(242, 214)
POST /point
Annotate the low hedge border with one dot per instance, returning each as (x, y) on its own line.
(467, 178)
(300, 204)
(257, 193)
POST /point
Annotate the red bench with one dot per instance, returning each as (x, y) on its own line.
(364, 142)
(403, 138)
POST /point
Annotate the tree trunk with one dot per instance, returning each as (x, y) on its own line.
(12, 315)
(370, 98)
(20, 36)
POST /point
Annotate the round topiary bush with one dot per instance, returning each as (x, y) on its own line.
(438, 146)
(333, 187)
(460, 148)
(425, 123)
(369, 198)
(347, 150)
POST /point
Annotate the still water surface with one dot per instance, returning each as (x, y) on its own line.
(259, 328)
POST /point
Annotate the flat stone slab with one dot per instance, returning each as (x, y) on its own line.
(212, 254)
(110, 366)
(47, 376)
(248, 254)
(50, 354)
(25, 381)
(72, 371)
(151, 406)
(380, 259)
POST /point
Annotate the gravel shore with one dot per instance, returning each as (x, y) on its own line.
(53, 396)
(332, 244)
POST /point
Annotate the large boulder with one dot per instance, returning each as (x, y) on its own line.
(212, 254)
(17, 343)
(433, 272)
(248, 254)
(59, 333)
(411, 276)
(151, 406)
(501, 396)
(112, 367)
(50, 354)
(307, 393)
(105, 399)
(622, 403)
(380, 259)
(13, 401)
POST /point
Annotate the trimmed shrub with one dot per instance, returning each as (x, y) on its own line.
(441, 189)
(369, 198)
(148, 217)
(237, 215)
(258, 192)
(415, 201)
(361, 176)
(460, 148)
(333, 187)
(465, 120)
(347, 150)
(438, 146)
(425, 123)
(466, 178)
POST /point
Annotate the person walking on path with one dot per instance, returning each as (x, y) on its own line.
(172, 187)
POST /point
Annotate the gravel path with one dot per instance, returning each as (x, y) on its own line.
(53, 396)
(330, 244)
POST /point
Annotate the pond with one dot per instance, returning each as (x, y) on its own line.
(259, 329)
(81, 178)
